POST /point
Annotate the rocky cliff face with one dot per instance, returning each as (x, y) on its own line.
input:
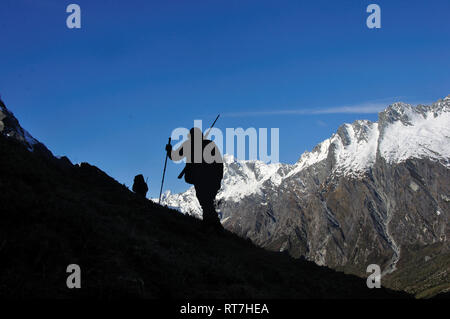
(373, 193)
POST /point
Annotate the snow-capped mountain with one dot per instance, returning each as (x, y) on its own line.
(374, 192)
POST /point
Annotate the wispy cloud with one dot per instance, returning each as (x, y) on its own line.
(371, 107)
(366, 108)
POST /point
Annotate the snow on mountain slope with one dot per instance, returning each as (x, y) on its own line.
(186, 202)
(242, 178)
(402, 131)
(418, 132)
(352, 150)
(318, 154)
(355, 147)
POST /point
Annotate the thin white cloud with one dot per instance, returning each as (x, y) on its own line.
(369, 107)
(365, 108)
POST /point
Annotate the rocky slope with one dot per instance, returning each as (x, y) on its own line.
(371, 193)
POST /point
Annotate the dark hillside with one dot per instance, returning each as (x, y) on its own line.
(54, 214)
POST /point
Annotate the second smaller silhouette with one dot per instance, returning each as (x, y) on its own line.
(140, 186)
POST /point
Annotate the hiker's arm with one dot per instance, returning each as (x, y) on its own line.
(175, 155)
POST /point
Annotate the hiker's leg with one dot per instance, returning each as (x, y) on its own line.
(210, 214)
(206, 198)
(210, 211)
(202, 199)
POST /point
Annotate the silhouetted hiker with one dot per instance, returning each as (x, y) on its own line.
(204, 169)
(140, 186)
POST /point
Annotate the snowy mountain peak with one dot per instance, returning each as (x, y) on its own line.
(318, 154)
(396, 112)
(354, 147)
(246, 177)
(357, 131)
(419, 132)
(442, 105)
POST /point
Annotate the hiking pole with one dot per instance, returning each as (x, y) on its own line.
(206, 135)
(164, 174)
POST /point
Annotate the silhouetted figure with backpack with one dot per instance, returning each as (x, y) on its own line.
(204, 169)
(140, 186)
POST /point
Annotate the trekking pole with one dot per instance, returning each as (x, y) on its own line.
(206, 135)
(164, 174)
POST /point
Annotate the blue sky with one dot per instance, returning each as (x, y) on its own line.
(111, 93)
